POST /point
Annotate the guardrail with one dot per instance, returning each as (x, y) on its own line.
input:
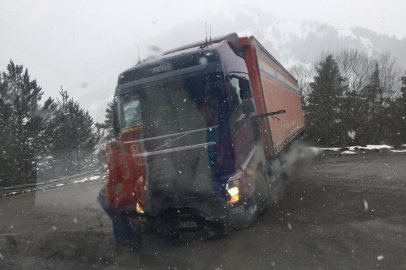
(18, 188)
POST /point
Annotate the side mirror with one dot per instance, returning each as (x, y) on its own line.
(245, 89)
(246, 96)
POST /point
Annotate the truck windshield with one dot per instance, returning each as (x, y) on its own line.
(199, 97)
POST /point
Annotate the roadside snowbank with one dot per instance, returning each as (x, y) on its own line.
(369, 147)
(353, 149)
(347, 152)
(320, 149)
(92, 178)
(398, 151)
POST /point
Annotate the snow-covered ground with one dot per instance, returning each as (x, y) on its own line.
(352, 149)
(347, 152)
(92, 178)
(398, 151)
(321, 149)
(370, 147)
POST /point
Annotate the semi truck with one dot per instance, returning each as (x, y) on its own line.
(216, 116)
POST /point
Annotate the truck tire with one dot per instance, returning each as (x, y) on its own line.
(261, 193)
(275, 180)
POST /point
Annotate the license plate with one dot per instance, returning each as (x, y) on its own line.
(188, 224)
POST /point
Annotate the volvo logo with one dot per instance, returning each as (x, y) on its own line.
(168, 142)
(160, 69)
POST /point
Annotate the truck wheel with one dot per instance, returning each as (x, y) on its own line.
(275, 180)
(261, 193)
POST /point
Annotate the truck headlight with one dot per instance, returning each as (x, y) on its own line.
(233, 188)
(234, 191)
(139, 209)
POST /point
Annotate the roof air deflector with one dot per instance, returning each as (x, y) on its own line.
(233, 37)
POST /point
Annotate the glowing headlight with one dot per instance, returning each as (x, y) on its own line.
(233, 191)
(233, 188)
(139, 209)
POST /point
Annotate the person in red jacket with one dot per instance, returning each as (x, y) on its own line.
(119, 197)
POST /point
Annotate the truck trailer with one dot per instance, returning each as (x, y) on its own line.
(214, 116)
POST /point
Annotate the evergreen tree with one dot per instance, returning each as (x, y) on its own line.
(324, 109)
(73, 139)
(402, 112)
(372, 109)
(20, 125)
(107, 126)
(397, 115)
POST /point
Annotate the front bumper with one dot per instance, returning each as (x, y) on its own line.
(245, 218)
(239, 216)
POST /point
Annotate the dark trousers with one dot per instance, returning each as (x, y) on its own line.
(169, 225)
(122, 229)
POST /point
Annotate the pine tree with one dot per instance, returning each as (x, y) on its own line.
(324, 109)
(20, 125)
(73, 139)
(397, 113)
(402, 112)
(107, 126)
(372, 108)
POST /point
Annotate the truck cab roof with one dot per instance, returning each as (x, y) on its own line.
(201, 52)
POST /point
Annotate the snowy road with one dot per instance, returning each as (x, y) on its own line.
(339, 212)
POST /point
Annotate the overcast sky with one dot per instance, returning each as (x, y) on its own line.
(84, 45)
